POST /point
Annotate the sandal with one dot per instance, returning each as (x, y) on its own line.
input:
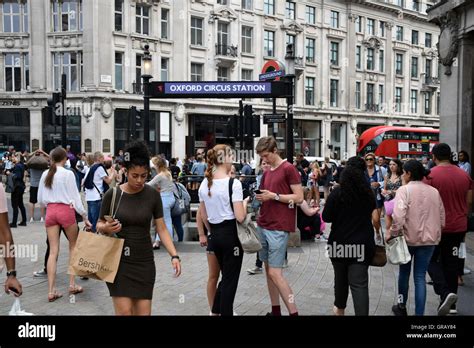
(53, 296)
(73, 290)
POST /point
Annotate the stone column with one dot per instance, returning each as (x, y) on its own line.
(36, 125)
(90, 42)
(39, 49)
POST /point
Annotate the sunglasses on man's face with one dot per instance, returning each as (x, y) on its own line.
(369, 159)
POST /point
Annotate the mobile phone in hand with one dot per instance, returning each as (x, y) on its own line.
(258, 192)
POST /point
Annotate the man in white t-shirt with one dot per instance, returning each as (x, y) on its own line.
(6, 241)
(94, 187)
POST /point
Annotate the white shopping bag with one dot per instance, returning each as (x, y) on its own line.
(16, 309)
(2, 264)
(462, 251)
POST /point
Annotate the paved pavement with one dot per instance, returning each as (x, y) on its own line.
(310, 275)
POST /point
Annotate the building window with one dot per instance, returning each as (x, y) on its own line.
(196, 31)
(414, 37)
(247, 36)
(358, 24)
(269, 7)
(118, 15)
(370, 26)
(247, 75)
(358, 57)
(67, 15)
(370, 98)
(69, 63)
(427, 40)
(414, 67)
(427, 103)
(357, 95)
(382, 29)
(196, 71)
(118, 71)
(334, 19)
(399, 64)
(370, 59)
(165, 65)
(223, 38)
(165, 17)
(416, 5)
(247, 4)
(399, 33)
(309, 90)
(290, 10)
(310, 48)
(400, 3)
(138, 73)
(381, 95)
(310, 15)
(223, 74)
(268, 43)
(428, 68)
(12, 72)
(291, 40)
(414, 101)
(438, 99)
(142, 20)
(222, 2)
(381, 61)
(13, 13)
(398, 99)
(334, 53)
(334, 93)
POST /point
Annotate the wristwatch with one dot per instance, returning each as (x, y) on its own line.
(11, 273)
(277, 197)
(175, 257)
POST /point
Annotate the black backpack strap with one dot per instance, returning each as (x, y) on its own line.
(231, 183)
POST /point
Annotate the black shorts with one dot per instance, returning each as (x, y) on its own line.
(33, 195)
(209, 248)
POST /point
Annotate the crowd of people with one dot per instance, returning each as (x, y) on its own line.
(427, 202)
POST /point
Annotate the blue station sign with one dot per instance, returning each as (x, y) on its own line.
(218, 89)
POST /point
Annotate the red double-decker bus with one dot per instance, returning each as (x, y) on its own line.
(398, 142)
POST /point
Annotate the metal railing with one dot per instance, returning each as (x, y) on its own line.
(137, 87)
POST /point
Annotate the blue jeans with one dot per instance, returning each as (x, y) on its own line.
(93, 211)
(178, 225)
(167, 200)
(421, 256)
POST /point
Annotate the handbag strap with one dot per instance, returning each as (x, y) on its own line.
(231, 183)
(112, 203)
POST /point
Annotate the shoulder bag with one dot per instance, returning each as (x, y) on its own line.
(397, 248)
(246, 230)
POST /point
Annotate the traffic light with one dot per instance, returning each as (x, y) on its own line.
(54, 108)
(135, 120)
(251, 123)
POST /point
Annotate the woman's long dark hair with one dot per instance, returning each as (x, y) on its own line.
(57, 155)
(418, 172)
(354, 186)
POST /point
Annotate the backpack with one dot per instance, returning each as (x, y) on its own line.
(89, 180)
(182, 201)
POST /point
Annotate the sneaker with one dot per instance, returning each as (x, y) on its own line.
(445, 305)
(399, 310)
(321, 238)
(453, 309)
(255, 270)
(466, 271)
(23, 223)
(31, 220)
(40, 274)
(269, 314)
(285, 264)
(42, 220)
(12, 225)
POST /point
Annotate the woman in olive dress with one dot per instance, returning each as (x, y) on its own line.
(135, 205)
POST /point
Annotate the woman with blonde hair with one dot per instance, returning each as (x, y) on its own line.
(221, 204)
(313, 183)
(163, 182)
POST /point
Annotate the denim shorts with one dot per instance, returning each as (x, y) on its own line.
(274, 245)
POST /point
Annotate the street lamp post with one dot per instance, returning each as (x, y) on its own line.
(147, 66)
(290, 78)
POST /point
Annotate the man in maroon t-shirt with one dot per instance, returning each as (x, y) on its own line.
(281, 192)
(454, 187)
